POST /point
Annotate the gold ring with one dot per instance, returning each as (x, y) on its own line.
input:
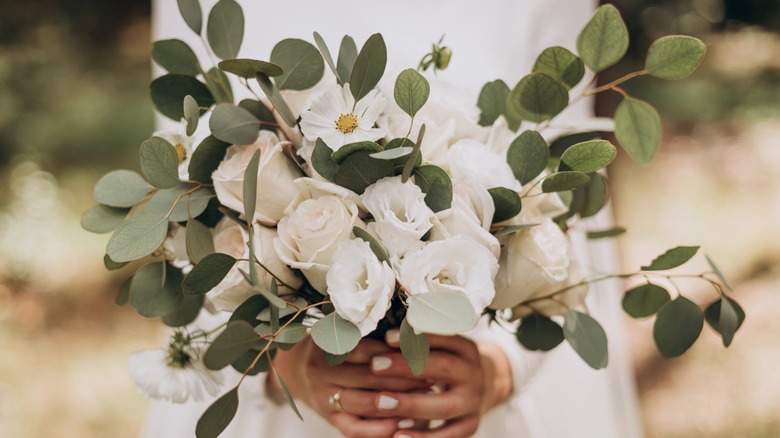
(335, 400)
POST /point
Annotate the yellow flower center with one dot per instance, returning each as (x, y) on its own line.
(181, 152)
(347, 123)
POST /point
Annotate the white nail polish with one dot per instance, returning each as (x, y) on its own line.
(386, 402)
(404, 436)
(393, 337)
(380, 363)
(406, 423)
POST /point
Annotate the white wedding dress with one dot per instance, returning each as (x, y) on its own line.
(557, 394)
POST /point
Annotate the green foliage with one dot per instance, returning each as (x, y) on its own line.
(718, 272)
(199, 241)
(211, 270)
(528, 156)
(112, 265)
(249, 309)
(645, 300)
(206, 159)
(285, 310)
(601, 234)
(121, 189)
(156, 290)
(492, 104)
(219, 85)
(537, 97)
(103, 219)
(244, 363)
(725, 316)
(192, 14)
(587, 338)
(249, 68)
(320, 42)
(672, 258)
(677, 326)
(335, 334)
(233, 124)
(168, 93)
(347, 56)
(587, 157)
(187, 311)
(261, 113)
(562, 181)
(595, 196)
(604, 39)
(514, 228)
(176, 57)
(322, 160)
(369, 67)
(415, 158)
(291, 334)
(179, 203)
(538, 332)
(560, 144)
(287, 396)
(217, 417)
(235, 340)
(348, 149)
(414, 348)
(301, 64)
(411, 91)
(359, 170)
(442, 313)
(507, 203)
(123, 297)
(191, 112)
(160, 163)
(137, 237)
(376, 247)
(437, 186)
(393, 153)
(561, 64)
(272, 93)
(250, 187)
(674, 57)
(225, 28)
(638, 129)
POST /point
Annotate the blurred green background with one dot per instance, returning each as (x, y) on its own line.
(73, 75)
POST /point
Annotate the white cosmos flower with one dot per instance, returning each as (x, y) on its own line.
(337, 120)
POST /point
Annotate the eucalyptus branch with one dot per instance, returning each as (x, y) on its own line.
(614, 83)
(278, 280)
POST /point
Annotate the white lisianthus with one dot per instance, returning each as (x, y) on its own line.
(400, 214)
(459, 264)
(230, 238)
(474, 162)
(359, 285)
(337, 120)
(312, 229)
(470, 215)
(184, 146)
(275, 176)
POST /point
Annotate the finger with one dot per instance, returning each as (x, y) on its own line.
(429, 406)
(440, 365)
(465, 426)
(366, 349)
(361, 377)
(352, 426)
(393, 338)
(456, 344)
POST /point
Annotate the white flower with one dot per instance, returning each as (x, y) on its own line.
(184, 148)
(274, 178)
(337, 120)
(360, 286)
(400, 213)
(315, 224)
(474, 162)
(471, 215)
(161, 375)
(230, 238)
(572, 298)
(459, 265)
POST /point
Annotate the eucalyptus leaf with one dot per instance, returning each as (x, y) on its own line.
(112, 265)
(537, 97)
(192, 14)
(191, 114)
(320, 42)
(287, 396)
(718, 272)
(411, 91)
(156, 290)
(528, 156)
(674, 57)
(206, 158)
(276, 99)
(595, 196)
(168, 93)
(437, 186)
(369, 67)
(515, 228)
(199, 241)
(322, 160)
(394, 153)
(414, 348)
(672, 258)
(725, 316)
(560, 144)
(176, 56)
(645, 300)
(250, 185)
(560, 181)
(261, 113)
(235, 340)
(225, 28)
(186, 312)
(180, 203)
(137, 237)
(347, 55)
(610, 232)
(507, 203)
(243, 363)
(218, 416)
(414, 158)
(123, 297)
(588, 156)
(604, 39)
(121, 189)
(301, 63)
(211, 270)
(103, 219)
(442, 313)
(677, 326)
(249, 309)
(492, 102)
(359, 170)
(249, 68)
(561, 64)
(219, 85)
(376, 247)
(348, 149)
(292, 334)
(638, 129)
(587, 338)
(233, 124)
(160, 163)
(285, 310)
(334, 359)
(539, 333)
(335, 334)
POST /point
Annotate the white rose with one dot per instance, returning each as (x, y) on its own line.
(230, 238)
(311, 231)
(472, 161)
(559, 304)
(458, 265)
(359, 285)
(471, 215)
(275, 177)
(400, 213)
(531, 260)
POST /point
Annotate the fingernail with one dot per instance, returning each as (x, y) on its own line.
(379, 363)
(387, 402)
(403, 435)
(406, 423)
(393, 336)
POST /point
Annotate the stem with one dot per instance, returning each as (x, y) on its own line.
(614, 83)
(278, 280)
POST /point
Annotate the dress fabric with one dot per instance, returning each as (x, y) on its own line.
(556, 394)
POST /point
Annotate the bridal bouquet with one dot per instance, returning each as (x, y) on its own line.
(349, 200)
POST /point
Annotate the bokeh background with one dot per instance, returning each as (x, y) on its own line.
(73, 105)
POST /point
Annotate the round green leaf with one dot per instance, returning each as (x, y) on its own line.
(359, 171)
(249, 68)
(588, 156)
(437, 186)
(492, 101)
(507, 203)
(537, 97)
(168, 93)
(176, 57)
(225, 28)
(638, 129)
(207, 274)
(206, 159)
(160, 163)
(199, 240)
(112, 265)
(191, 112)
(219, 85)
(677, 326)
(123, 297)
(121, 188)
(596, 196)
(348, 149)
(286, 309)
(233, 124)
(604, 39)
(587, 338)
(188, 310)
(152, 298)
(243, 363)
(645, 300)
(674, 56)
(335, 334)
(672, 258)
(237, 338)
(322, 161)
(393, 153)
(561, 64)
(178, 204)
(414, 348)
(562, 181)
(192, 14)
(301, 63)
(218, 416)
(249, 309)
(527, 156)
(442, 313)
(138, 237)
(411, 91)
(103, 219)
(538, 332)
(369, 66)
(725, 316)
(376, 247)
